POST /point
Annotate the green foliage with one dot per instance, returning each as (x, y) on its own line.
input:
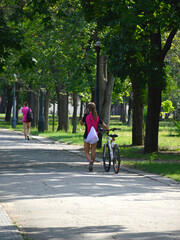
(172, 91)
(132, 39)
(11, 37)
(56, 46)
(167, 107)
(152, 157)
(121, 88)
(177, 127)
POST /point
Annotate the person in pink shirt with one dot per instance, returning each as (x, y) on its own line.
(26, 124)
(91, 119)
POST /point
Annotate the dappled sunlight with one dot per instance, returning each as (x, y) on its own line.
(69, 179)
(47, 189)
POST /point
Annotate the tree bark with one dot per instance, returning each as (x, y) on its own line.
(81, 109)
(46, 111)
(106, 83)
(9, 104)
(63, 121)
(33, 102)
(17, 102)
(102, 80)
(138, 115)
(156, 84)
(152, 123)
(75, 106)
(130, 110)
(107, 97)
(123, 111)
(2, 103)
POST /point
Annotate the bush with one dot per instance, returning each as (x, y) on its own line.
(177, 127)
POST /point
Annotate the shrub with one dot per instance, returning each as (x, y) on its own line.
(177, 127)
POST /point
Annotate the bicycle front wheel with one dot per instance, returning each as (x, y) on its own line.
(106, 158)
(116, 159)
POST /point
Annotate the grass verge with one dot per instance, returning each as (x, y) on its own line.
(170, 170)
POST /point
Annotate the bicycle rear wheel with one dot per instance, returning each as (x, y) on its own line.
(116, 159)
(106, 158)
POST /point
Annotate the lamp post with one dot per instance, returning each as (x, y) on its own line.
(98, 48)
(14, 104)
(41, 109)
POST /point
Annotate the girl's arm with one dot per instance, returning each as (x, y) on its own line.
(105, 126)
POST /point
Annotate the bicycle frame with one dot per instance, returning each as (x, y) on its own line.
(111, 152)
(111, 144)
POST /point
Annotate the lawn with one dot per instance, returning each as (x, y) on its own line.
(168, 154)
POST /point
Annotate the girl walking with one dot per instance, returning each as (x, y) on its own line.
(26, 124)
(91, 119)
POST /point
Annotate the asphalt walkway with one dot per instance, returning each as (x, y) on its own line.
(47, 191)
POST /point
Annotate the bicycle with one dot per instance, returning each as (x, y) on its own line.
(111, 152)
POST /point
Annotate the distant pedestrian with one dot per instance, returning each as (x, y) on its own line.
(91, 119)
(26, 124)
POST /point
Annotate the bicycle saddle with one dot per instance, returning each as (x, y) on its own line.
(113, 135)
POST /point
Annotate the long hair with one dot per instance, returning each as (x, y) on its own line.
(92, 108)
(25, 104)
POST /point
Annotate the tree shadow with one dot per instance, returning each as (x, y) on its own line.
(31, 171)
(46, 173)
(104, 232)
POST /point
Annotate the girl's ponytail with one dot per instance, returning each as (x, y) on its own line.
(92, 107)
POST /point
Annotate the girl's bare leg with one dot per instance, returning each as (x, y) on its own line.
(93, 152)
(86, 150)
(25, 129)
(28, 128)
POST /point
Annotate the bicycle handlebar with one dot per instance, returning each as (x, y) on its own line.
(113, 129)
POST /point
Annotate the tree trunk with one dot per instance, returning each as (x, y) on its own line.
(155, 86)
(53, 116)
(106, 83)
(46, 111)
(17, 102)
(103, 79)
(63, 121)
(17, 107)
(107, 97)
(81, 110)
(130, 111)
(33, 102)
(123, 111)
(138, 115)
(9, 104)
(75, 106)
(2, 103)
(93, 95)
(152, 123)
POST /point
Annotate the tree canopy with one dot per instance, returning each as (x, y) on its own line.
(52, 43)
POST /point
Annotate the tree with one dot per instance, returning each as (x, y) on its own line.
(140, 26)
(172, 91)
(56, 35)
(11, 36)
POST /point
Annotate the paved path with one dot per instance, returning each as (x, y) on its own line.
(47, 191)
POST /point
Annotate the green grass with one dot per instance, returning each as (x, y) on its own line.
(170, 170)
(169, 145)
